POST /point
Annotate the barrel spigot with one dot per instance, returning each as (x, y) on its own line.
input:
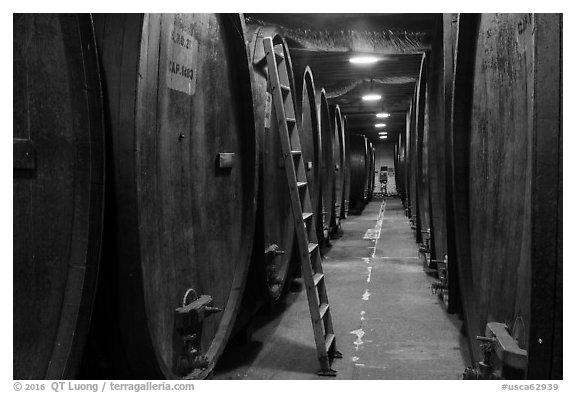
(189, 319)
(436, 286)
(483, 339)
(212, 310)
(484, 370)
(425, 248)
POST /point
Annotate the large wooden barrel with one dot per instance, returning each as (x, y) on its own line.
(275, 227)
(58, 169)
(440, 73)
(367, 181)
(359, 162)
(418, 200)
(310, 141)
(436, 148)
(346, 193)
(397, 165)
(450, 32)
(327, 169)
(400, 166)
(506, 177)
(421, 156)
(412, 164)
(182, 176)
(410, 208)
(368, 169)
(401, 159)
(371, 171)
(337, 122)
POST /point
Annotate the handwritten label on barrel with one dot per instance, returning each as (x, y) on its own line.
(182, 62)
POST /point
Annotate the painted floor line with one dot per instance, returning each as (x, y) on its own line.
(371, 234)
(379, 224)
(366, 295)
(359, 333)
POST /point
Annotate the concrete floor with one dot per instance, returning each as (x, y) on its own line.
(387, 322)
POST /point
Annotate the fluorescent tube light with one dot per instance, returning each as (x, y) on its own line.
(363, 60)
(372, 97)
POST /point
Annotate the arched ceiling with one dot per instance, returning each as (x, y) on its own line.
(326, 42)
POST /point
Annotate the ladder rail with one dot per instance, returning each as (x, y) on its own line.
(305, 222)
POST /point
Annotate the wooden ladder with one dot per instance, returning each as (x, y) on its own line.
(308, 249)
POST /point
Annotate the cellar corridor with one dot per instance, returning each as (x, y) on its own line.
(172, 173)
(387, 322)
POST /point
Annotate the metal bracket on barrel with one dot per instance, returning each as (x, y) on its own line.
(506, 347)
(189, 320)
(226, 160)
(512, 360)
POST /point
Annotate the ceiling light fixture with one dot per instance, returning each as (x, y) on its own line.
(379, 125)
(372, 97)
(363, 60)
(383, 136)
(383, 133)
(382, 115)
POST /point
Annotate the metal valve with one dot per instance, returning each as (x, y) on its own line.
(442, 284)
(484, 369)
(510, 360)
(436, 286)
(189, 318)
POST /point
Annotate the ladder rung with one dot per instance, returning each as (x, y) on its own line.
(285, 88)
(312, 247)
(329, 340)
(323, 308)
(291, 120)
(317, 277)
(301, 184)
(307, 215)
(296, 152)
